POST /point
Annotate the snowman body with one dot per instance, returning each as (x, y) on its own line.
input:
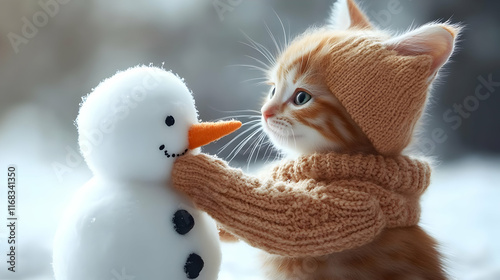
(127, 223)
(118, 230)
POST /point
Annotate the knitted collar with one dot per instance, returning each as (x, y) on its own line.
(399, 174)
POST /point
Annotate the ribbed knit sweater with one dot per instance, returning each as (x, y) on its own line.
(314, 205)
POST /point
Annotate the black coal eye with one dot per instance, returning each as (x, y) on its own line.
(169, 121)
(271, 94)
(302, 98)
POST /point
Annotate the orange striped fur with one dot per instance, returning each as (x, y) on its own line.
(321, 125)
(299, 68)
(397, 254)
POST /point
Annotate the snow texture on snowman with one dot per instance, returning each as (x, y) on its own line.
(126, 222)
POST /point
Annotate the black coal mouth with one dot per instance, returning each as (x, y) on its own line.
(167, 154)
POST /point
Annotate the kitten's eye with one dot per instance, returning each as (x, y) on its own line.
(169, 121)
(271, 94)
(302, 98)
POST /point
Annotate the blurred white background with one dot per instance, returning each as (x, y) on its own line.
(53, 53)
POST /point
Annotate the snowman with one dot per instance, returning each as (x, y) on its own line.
(127, 223)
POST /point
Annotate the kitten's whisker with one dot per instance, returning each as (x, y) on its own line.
(253, 67)
(252, 145)
(258, 61)
(260, 146)
(272, 38)
(277, 156)
(239, 111)
(272, 58)
(272, 149)
(267, 141)
(238, 136)
(263, 81)
(284, 32)
(254, 124)
(266, 150)
(240, 116)
(257, 145)
(242, 144)
(238, 147)
(260, 48)
(253, 142)
(269, 145)
(265, 55)
(261, 136)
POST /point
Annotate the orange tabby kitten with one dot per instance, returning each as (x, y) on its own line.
(302, 116)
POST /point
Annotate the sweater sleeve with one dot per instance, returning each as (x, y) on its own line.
(296, 219)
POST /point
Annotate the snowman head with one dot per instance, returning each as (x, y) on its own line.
(134, 124)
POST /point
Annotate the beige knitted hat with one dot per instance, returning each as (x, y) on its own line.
(385, 90)
(384, 93)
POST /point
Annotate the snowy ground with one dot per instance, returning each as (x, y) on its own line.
(460, 209)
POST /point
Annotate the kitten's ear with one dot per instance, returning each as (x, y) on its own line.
(346, 14)
(435, 40)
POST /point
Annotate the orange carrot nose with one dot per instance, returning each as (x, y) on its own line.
(201, 134)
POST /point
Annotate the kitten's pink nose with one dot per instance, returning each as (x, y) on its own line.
(269, 112)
